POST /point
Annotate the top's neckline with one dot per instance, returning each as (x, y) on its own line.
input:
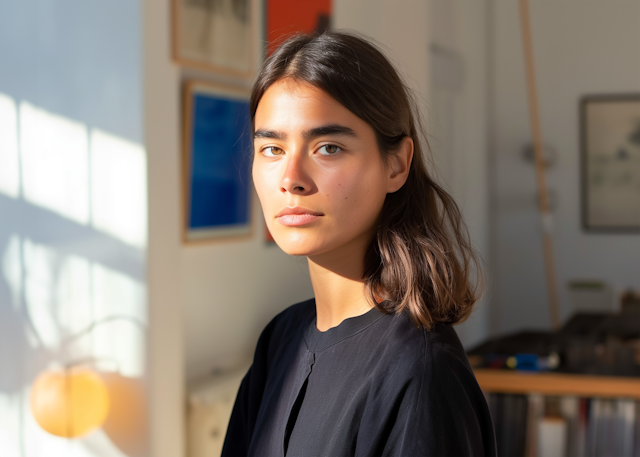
(318, 341)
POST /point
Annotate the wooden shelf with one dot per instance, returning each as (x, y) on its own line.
(504, 381)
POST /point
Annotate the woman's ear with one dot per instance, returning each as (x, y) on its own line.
(399, 165)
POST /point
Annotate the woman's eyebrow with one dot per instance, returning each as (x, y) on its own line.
(273, 134)
(331, 129)
(324, 130)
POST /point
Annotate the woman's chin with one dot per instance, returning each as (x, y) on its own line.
(297, 250)
(307, 246)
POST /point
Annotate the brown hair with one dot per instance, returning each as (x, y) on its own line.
(421, 257)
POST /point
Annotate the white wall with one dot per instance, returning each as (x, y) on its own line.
(400, 28)
(73, 215)
(581, 47)
(231, 291)
(457, 129)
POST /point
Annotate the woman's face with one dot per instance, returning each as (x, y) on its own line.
(317, 170)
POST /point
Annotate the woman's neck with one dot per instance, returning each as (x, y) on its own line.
(338, 285)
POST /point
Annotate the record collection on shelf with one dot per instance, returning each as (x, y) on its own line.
(535, 425)
(574, 392)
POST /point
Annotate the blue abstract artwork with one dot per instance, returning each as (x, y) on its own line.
(220, 162)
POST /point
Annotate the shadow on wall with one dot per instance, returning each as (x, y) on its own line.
(73, 236)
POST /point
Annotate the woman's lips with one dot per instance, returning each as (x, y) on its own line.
(294, 220)
(295, 217)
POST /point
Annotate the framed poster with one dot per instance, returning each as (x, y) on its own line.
(286, 17)
(610, 143)
(215, 35)
(216, 162)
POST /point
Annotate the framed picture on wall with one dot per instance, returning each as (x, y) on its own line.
(216, 162)
(610, 143)
(283, 18)
(215, 35)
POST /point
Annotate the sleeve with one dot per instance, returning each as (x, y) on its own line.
(247, 404)
(439, 412)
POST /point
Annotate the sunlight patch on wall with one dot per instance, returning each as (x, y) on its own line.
(9, 160)
(12, 270)
(65, 294)
(98, 178)
(9, 424)
(39, 264)
(121, 340)
(74, 311)
(119, 188)
(54, 159)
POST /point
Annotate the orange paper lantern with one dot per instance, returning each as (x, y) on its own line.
(69, 403)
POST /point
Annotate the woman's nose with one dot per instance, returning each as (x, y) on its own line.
(296, 178)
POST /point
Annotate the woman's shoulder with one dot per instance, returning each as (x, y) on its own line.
(425, 352)
(444, 411)
(400, 330)
(431, 367)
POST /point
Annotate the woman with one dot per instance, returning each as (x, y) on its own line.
(371, 366)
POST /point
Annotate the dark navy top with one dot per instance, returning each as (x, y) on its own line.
(374, 385)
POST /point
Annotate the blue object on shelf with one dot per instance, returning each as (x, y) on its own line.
(527, 362)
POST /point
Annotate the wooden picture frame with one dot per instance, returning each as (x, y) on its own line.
(610, 162)
(216, 162)
(218, 36)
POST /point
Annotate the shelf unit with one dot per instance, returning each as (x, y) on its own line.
(503, 381)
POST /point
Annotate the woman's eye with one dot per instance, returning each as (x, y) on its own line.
(272, 151)
(329, 149)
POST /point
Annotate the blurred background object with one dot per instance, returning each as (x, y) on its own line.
(69, 403)
(209, 407)
(590, 295)
(630, 301)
